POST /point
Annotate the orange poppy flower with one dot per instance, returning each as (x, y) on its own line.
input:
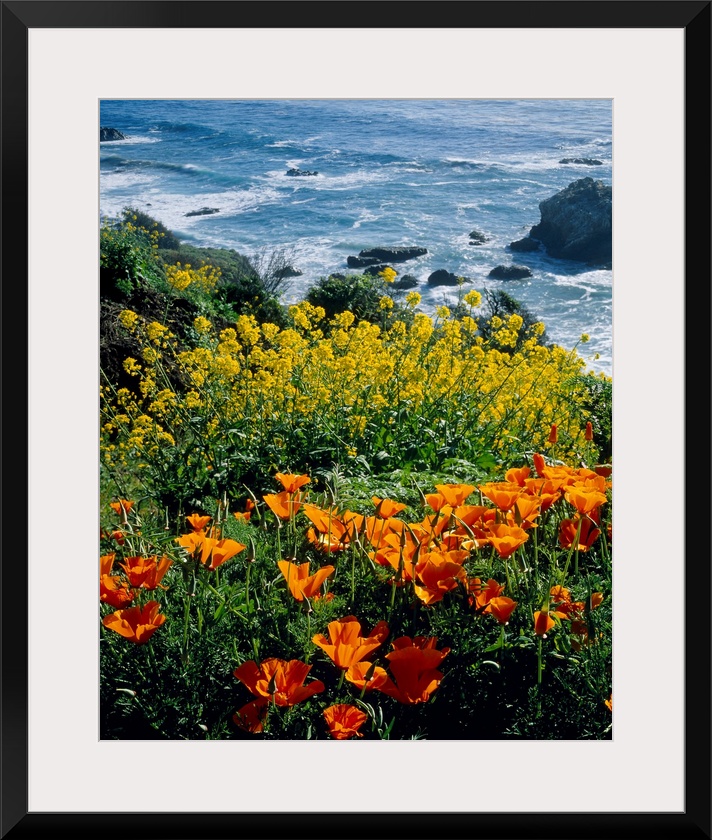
(252, 716)
(146, 572)
(331, 534)
(501, 608)
(481, 596)
(137, 624)
(414, 664)
(385, 508)
(197, 522)
(503, 494)
(590, 480)
(585, 501)
(114, 592)
(528, 508)
(278, 679)
(244, 516)
(401, 561)
(301, 584)
(544, 489)
(587, 537)
(438, 503)
(553, 434)
(603, 469)
(284, 504)
(191, 542)
(609, 703)
(539, 464)
(517, 475)
(345, 645)
(455, 494)
(344, 720)
(543, 621)
(575, 611)
(122, 507)
(589, 431)
(560, 595)
(215, 552)
(469, 514)
(439, 572)
(292, 483)
(506, 538)
(106, 561)
(366, 676)
(353, 522)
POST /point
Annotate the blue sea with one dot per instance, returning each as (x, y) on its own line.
(390, 173)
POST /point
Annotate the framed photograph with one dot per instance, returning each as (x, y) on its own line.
(371, 319)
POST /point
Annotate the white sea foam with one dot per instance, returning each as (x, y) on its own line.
(132, 140)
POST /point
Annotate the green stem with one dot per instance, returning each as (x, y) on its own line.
(353, 576)
(571, 551)
(539, 666)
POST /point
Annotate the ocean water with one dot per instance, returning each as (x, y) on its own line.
(390, 173)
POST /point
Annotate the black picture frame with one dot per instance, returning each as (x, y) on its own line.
(15, 821)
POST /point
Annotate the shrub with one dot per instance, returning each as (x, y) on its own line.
(137, 218)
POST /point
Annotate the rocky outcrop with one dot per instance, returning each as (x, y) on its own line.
(441, 277)
(576, 223)
(373, 270)
(204, 211)
(407, 281)
(583, 161)
(107, 134)
(510, 272)
(361, 262)
(478, 238)
(393, 254)
(524, 245)
(294, 172)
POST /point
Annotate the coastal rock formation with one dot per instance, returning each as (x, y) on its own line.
(204, 211)
(106, 134)
(407, 281)
(576, 223)
(294, 172)
(526, 244)
(373, 270)
(361, 262)
(441, 277)
(583, 161)
(510, 272)
(478, 238)
(393, 254)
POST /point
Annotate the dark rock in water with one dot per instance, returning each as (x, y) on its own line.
(337, 277)
(576, 223)
(510, 272)
(526, 244)
(407, 281)
(106, 134)
(478, 238)
(393, 254)
(290, 271)
(299, 172)
(441, 277)
(204, 211)
(373, 270)
(583, 161)
(361, 262)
